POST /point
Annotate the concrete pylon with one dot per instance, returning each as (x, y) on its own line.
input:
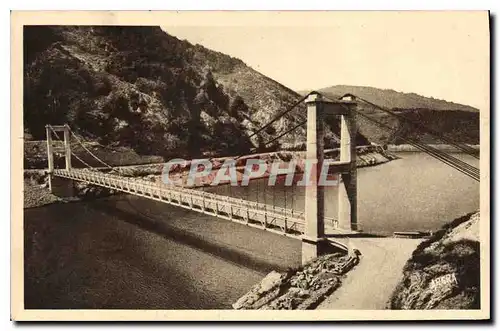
(50, 154)
(67, 147)
(61, 187)
(347, 193)
(314, 232)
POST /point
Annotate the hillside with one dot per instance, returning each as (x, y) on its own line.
(141, 88)
(458, 122)
(443, 272)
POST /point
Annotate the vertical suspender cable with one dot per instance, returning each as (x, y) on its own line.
(292, 159)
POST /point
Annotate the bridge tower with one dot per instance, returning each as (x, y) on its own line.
(314, 233)
(59, 186)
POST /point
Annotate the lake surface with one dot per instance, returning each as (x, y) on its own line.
(129, 252)
(415, 192)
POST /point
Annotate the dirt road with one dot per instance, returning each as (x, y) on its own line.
(370, 284)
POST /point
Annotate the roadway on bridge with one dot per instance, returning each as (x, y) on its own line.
(370, 284)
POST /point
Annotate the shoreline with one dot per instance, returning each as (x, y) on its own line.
(366, 156)
(440, 147)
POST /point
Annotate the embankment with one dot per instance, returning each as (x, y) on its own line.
(444, 271)
(36, 190)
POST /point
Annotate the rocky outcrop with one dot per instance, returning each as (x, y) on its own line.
(443, 272)
(299, 289)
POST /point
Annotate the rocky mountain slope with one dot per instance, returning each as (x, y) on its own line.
(458, 122)
(139, 87)
(444, 271)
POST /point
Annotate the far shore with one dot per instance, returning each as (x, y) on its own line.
(441, 147)
(36, 192)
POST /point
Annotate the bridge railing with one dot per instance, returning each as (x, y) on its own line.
(201, 198)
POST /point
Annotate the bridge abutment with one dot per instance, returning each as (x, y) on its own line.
(62, 187)
(314, 232)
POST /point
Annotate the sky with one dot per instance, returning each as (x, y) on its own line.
(436, 54)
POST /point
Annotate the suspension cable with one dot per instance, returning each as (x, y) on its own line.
(278, 137)
(443, 158)
(277, 117)
(88, 151)
(429, 148)
(465, 148)
(76, 156)
(452, 161)
(457, 161)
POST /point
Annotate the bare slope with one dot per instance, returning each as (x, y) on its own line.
(458, 122)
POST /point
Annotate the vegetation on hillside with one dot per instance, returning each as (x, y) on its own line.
(444, 270)
(130, 86)
(139, 87)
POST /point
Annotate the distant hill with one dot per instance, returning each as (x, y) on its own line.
(458, 122)
(396, 100)
(142, 88)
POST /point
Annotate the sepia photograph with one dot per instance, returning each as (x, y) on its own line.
(206, 165)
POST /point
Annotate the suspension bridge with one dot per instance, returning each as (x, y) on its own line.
(308, 224)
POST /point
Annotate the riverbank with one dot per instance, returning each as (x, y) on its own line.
(37, 194)
(106, 249)
(441, 272)
(35, 155)
(36, 189)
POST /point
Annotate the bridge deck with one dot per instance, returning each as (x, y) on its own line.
(287, 222)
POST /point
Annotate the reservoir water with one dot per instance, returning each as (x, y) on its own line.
(415, 192)
(129, 252)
